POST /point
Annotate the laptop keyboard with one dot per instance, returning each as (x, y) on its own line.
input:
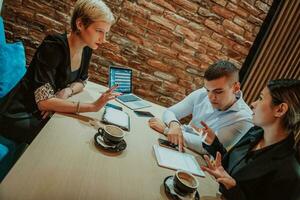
(128, 98)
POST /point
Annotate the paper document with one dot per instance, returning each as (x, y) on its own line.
(176, 160)
(116, 117)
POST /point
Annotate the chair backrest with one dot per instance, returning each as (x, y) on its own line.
(2, 32)
(3, 151)
(12, 63)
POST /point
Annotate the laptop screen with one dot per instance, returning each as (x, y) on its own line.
(122, 77)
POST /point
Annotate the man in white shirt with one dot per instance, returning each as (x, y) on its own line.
(219, 104)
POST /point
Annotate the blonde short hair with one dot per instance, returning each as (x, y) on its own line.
(90, 11)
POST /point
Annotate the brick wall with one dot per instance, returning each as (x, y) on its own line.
(168, 43)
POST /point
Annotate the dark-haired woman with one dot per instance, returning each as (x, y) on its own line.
(263, 165)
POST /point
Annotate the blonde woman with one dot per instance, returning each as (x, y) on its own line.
(58, 70)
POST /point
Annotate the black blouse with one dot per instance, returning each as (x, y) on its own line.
(269, 173)
(48, 72)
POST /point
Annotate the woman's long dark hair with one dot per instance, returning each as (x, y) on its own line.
(288, 91)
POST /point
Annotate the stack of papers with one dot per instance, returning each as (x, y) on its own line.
(116, 117)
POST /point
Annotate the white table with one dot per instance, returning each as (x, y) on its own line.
(63, 162)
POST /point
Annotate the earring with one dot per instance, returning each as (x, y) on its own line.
(77, 31)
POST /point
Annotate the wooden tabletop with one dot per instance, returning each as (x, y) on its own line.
(63, 162)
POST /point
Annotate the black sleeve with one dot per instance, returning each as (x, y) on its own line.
(215, 147)
(44, 64)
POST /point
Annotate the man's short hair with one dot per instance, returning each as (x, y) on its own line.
(221, 69)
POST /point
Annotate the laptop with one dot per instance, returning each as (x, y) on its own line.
(123, 77)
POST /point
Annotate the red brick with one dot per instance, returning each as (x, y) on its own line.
(183, 49)
(173, 87)
(186, 32)
(221, 11)
(175, 18)
(188, 59)
(231, 53)
(233, 27)
(237, 38)
(139, 21)
(48, 21)
(262, 6)
(135, 38)
(147, 52)
(238, 10)
(207, 13)
(249, 36)
(129, 26)
(137, 10)
(188, 5)
(223, 40)
(158, 39)
(165, 76)
(211, 43)
(220, 2)
(113, 57)
(163, 21)
(174, 63)
(243, 23)
(204, 58)
(182, 74)
(178, 96)
(159, 65)
(151, 6)
(165, 50)
(171, 35)
(199, 81)
(36, 35)
(241, 49)
(164, 4)
(214, 26)
(255, 20)
(187, 84)
(111, 46)
(250, 8)
(195, 45)
(146, 93)
(149, 78)
(191, 16)
(166, 101)
(119, 30)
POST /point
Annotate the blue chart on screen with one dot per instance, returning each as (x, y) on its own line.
(123, 77)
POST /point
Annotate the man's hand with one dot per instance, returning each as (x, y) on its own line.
(216, 169)
(206, 131)
(157, 125)
(175, 135)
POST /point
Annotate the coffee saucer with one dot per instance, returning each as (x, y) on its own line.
(170, 191)
(99, 141)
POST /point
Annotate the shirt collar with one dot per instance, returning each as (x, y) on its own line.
(237, 106)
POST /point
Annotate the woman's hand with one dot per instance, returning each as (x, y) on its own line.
(104, 98)
(207, 132)
(64, 93)
(46, 114)
(216, 169)
(157, 125)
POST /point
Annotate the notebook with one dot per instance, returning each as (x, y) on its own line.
(123, 77)
(116, 117)
(177, 160)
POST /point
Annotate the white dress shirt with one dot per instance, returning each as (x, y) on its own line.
(229, 125)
